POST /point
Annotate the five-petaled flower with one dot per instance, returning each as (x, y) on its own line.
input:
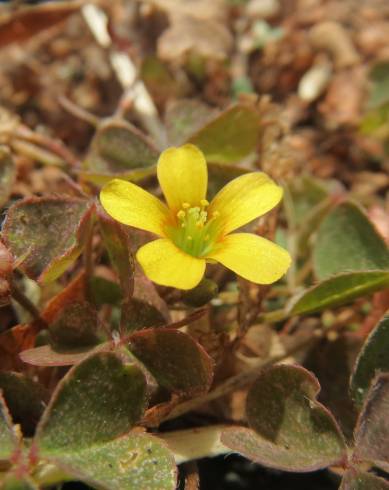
(193, 231)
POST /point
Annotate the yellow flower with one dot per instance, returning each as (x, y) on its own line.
(193, 231)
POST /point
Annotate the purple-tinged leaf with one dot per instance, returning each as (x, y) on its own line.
(372, 359)
(176, 361)
(46, 234)
(372, 431)
(98, 400)
(290, 430)
(360, 480)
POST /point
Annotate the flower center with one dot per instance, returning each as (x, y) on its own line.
(195, 232)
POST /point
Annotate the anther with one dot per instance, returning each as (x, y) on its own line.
(185, 205)
(204, 203)
(181, 214)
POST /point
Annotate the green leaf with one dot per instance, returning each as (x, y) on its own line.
(46, 234)
(334, 376)
(13, 482)
(376, 122)
(372, 431)
(100, 178)
(220, 174)
(306, 193)
(98, 400)
(8, 439)
(75, 327)
(290, 430)
(7, 174)
(25, 399)
(379, 76)
(176, 361)
(338, 290)
(373, 358)
(139, 314)
(159, 81)
(119, 147)
(359, 480)
(348, 242)
(184, 117)
(230, 137)
(133, 461)
(104, 292)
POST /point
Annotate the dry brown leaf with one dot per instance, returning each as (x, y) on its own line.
(334, 38)
(195, 26)
(29, 21)
(343, 102)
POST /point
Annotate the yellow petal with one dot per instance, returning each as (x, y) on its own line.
(133, 206)
(243, 199)
(252, 257)
(167, 265)
(183, 177)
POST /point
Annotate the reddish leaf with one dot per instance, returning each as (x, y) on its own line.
(73, 292)
(6, 263)
(12, 342)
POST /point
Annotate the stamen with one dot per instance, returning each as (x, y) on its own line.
(195, 231)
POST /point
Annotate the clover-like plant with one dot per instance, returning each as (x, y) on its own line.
(140, 333)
